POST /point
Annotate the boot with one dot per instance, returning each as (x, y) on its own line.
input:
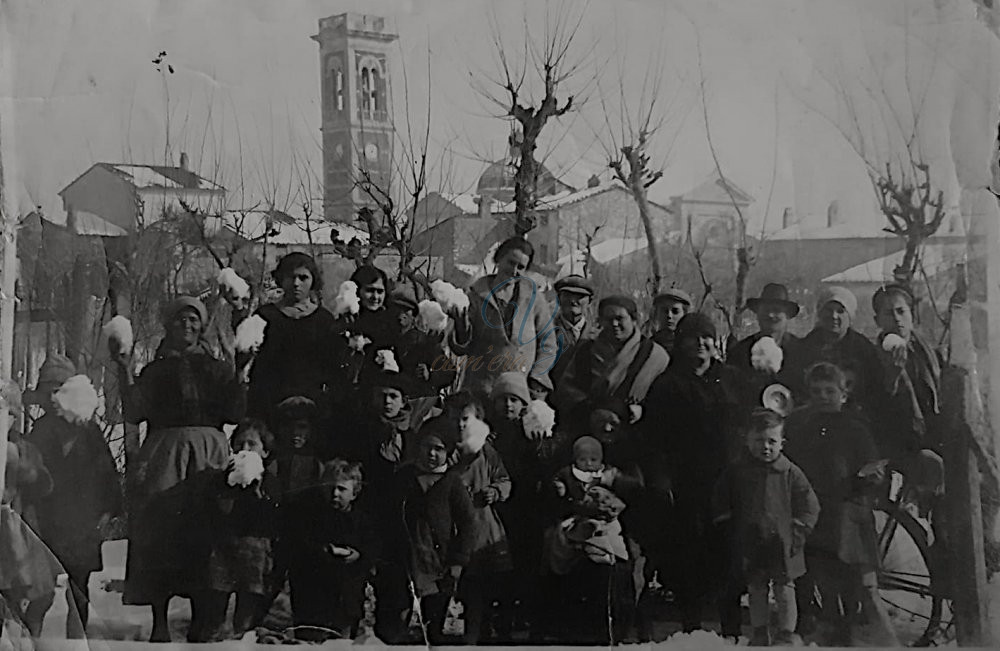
(761, 637)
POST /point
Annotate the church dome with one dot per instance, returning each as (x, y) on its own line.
(497, 181)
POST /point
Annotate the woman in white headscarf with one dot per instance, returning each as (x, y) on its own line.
(834, 340)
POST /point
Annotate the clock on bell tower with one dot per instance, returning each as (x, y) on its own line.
(356, 99)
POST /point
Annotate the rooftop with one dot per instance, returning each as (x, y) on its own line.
(161, 176)
(935, 259)
(254, 225)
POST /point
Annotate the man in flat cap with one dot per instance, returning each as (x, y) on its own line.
(669, 307)
(574, 294)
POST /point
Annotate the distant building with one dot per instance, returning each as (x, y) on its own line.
(115, 199)
(356, 98)
(710, 211)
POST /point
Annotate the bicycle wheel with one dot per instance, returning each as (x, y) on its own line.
(905, 578)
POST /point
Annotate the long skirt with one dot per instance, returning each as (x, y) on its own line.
(169, 544)
(28, 570)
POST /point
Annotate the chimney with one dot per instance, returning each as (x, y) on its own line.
(184, 161)
(787, 218)
(484, 206)
(833, 214)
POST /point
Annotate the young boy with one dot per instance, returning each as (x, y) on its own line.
(486, 478)
(332, 546)
(85, 495)
(835, 451)
(429, 533)
(244, 526)
(772, 509)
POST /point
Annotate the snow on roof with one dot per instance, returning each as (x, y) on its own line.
(255, 224)
(566, 198)
(87, 223)
(869, 228)
(935, 259)
(607, 250)
(160, 176)
(467, 202)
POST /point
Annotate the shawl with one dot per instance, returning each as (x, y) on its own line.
(190, 397)
(609, 367)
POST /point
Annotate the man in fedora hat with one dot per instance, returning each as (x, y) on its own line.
(574, 294)
(773, 310)
(669, 307)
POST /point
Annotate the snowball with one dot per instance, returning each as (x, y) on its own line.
(766, 355)
(539, 417)
(76, 400)
(433, 317)
(357, 343)
(449, 296)
(474, 434)
(248, 467)
(893, 342)
(347, 300)
(119, 330)
(250, 334)
(387, 361)
(231, 280)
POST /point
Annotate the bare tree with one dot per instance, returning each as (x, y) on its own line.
(879, 112)
(552, 63)
(627, 136)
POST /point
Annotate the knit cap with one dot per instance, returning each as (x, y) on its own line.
(512, 383)
(696, 324)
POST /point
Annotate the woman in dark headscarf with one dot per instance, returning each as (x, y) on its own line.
(185, 395)
(295, 358)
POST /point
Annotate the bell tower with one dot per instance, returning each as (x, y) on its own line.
(356, 107)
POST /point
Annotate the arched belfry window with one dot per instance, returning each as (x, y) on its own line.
(376, 101)
(366, 90)
(338, 88)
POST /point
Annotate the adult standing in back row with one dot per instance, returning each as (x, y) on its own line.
(508, 326)
(773, 310)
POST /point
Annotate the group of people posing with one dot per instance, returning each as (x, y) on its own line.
(442, 483)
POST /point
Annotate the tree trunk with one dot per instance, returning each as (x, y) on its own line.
(525, 187)
(642, 201)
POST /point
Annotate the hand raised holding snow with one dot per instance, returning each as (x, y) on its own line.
(766, 355)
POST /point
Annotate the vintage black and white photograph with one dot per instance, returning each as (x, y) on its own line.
(503, 323)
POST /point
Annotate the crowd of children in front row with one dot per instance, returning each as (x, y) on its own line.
(468, 507)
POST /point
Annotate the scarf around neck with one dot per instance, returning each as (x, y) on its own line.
(298, 311)
(609, 366)
(186, 379)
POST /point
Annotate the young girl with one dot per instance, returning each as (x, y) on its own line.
(510, 399)
(244, 527)
(486, 478)
(429, 533)
(773, 509)
(835, 451)
(296, 463)
(332, 546)
(586, 546)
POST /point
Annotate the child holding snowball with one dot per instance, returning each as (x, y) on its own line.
(243, 509)
(86, 492)
(488, 483)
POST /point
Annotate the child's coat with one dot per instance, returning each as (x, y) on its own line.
(773, 509)
(831, 448)
(485, 469)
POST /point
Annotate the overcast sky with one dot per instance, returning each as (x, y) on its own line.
(244, 98)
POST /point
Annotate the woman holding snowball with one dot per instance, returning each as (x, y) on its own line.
(506, 324)
(185, 395)
(294, 358)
